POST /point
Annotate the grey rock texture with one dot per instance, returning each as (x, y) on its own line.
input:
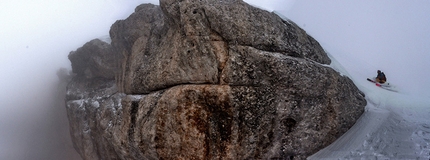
(209, 80)
(95, 59)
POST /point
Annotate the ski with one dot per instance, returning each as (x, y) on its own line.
(386, 86)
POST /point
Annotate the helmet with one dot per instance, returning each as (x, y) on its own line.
(379, 71)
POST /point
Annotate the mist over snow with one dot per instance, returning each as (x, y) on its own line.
(390, 35)
(35, 39)
(361, 36)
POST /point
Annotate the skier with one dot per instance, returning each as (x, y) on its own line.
(380, 78)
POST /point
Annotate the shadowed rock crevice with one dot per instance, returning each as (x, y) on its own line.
(133, 111)
(207, 80)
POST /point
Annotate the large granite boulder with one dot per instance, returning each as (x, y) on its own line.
(211, 80)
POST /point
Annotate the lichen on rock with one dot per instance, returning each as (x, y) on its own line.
(207, 80)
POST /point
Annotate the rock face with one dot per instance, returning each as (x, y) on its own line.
(207, 80)
(95, 59)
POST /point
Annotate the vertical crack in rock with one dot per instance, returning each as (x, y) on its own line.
(220, 48)
(133, 112)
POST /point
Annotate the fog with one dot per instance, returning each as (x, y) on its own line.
(390, 35)
(36, 37)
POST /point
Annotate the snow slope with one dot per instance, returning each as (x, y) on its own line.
(395, 125)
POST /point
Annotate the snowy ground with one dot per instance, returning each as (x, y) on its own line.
(395, 125)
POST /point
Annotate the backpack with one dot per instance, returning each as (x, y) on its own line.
(382, 76)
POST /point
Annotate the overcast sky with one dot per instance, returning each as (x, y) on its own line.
(37, 35)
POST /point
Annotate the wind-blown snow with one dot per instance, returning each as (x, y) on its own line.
(363, 36)
(395, 125)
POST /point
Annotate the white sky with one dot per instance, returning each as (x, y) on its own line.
(37, 35)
